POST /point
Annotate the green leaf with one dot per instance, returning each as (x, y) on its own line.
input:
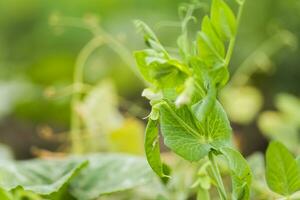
(188, 137)
(160, 71)
(210, 47)
(152, 147)
(240, 173)
(108, 173)
(202, 108)
(43, 177)
(223, 19)
(150, 38)
(217, 75)
(282, 171)
(4, 195)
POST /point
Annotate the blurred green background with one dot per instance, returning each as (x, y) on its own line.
(37, 58)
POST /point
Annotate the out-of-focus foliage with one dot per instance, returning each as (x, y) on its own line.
(284, 124)
(242, 103)
(85, 177)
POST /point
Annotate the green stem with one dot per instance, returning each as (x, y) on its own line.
(76, 143)
(233, 39)
(217, 176)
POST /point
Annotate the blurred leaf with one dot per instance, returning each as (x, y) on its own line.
(274, 126)
(6, 153)
(100, 113)
(282, 171)
(44, 177)
(283, 125)
(128, 138)
(14, 92)
(110, 173)
(242, 103)
(4, 195)
(290, 106)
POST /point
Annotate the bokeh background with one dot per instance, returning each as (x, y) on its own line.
(40, 41)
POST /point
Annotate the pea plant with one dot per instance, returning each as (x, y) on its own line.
(183, 94)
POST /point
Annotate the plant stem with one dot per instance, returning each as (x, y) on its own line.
(76, 142)
(217, 176)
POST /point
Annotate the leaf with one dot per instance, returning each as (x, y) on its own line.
(160, 71)
(150, 38)
(210, 47)
(6, 153)
(202, 108)
(242, 103)
(100, 114)
(223, 19)
(240, 173)
(152, 147)
(43, 177)
(275, 126)
(4, 195)
(108, 173)
(187, 137)
(282, 171)
(290, 106)
(205, 75)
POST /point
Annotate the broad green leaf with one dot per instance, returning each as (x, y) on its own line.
(240, 173)
(205, 75)
(202, 108)
(215, 40)
(44, 177)
(189, 138)
(210, 47)
(160, 71)
(108, 173)
(282, 171)
(223, 19)
(152, 147)
(207, 50)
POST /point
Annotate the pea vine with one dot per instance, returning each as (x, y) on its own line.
(183, 94)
